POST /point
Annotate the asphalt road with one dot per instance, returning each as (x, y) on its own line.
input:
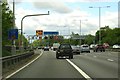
(95, 65)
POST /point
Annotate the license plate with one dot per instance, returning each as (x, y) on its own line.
(61, 50)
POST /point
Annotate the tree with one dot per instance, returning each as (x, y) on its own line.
(7, 23)
(74, 41)
(89, 39)
(108, 35)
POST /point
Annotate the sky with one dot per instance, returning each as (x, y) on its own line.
(65, 15)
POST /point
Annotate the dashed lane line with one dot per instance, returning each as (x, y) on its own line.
(79, 70)
(94, 56)
(24, 66)
(110, 60)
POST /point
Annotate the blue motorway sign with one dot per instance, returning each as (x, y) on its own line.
(51, 33)
(13, 34)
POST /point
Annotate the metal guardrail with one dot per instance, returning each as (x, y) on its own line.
(11, 60)
(113, 49)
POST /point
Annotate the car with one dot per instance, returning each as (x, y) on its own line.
(39, 47)
(84, 48)
(76, 49)
(99, 48)
(64, 50)
(92, 46)
(55, 46)
(46, 48)
(106, 45)
(116, 46)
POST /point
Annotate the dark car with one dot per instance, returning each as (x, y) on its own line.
(99, 48)
(39, 47)
(46, 48)
(64, 50)
(76, 49)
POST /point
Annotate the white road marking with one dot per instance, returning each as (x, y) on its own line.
(79, 70)
(94, 56)
(110, 60)
(24, 66)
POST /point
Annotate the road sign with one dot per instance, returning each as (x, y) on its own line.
(13, 34)
(39, 32)
(51, 33)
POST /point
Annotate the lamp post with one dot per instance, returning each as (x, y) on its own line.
(22, 26)
(80, 29)
(100, 19)
(13, 51)
(68, 28)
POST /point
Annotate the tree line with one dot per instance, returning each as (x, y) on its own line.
(108, 35)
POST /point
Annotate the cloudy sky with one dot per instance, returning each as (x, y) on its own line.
(65, 15)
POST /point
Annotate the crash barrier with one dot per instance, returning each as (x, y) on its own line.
(113, 49)
(11, 60)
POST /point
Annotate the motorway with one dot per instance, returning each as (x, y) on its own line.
(93, 65)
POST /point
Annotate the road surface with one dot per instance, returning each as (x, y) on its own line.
(93, 65)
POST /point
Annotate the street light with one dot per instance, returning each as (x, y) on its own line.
(99, 19)
(80, 28)
(22, 25)
(68, 29)
(13, 41)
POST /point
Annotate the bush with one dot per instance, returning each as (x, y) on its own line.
(6, 51)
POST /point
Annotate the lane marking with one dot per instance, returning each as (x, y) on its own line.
(79, 70)
(110, 60)
(24, 66)
(94, 56)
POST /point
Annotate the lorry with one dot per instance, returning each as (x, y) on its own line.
(55, 46)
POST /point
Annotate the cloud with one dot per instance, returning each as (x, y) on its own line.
(110, 18)
(56, 21)
(63, 22)
(55, 5)
(72, 1)
(16, 1)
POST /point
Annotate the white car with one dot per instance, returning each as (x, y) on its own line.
(85, 48)
(92, 46)
(116, 46)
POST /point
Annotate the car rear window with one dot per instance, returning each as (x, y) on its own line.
(65, 46)
(84, 46)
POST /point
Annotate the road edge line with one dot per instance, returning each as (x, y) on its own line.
(79, 70)
(24, 66)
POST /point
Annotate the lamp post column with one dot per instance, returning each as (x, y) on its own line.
(80, 33)
(13, 51)
(99, 25)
